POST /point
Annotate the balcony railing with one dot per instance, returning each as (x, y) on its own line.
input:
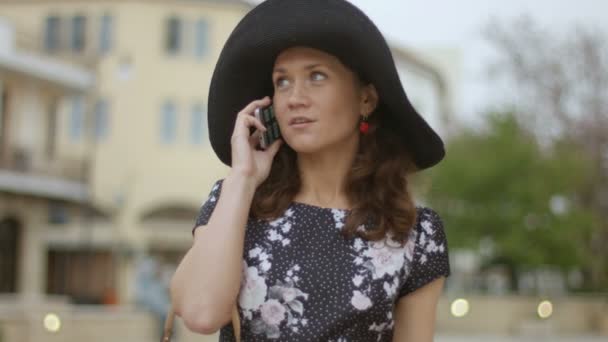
(27, 162)
(32, 43)
(35, 175)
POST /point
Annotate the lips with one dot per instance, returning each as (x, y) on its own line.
(299, 120)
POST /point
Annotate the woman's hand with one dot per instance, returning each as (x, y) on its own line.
(246, 160)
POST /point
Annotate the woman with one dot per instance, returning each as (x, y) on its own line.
(315, 238)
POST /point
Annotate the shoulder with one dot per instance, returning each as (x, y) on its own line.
(217, 186)
(429, 225)
(426, 216)
(214, 193)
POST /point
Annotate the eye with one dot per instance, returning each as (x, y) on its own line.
(280, 82)
(318, 76)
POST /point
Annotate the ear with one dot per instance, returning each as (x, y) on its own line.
(369, 99)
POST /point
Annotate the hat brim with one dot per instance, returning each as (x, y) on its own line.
(244, 69)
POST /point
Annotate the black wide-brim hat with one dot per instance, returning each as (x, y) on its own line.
(244, 69)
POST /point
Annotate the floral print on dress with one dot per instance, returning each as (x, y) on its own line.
(377, 261)
(430, 258)
(289, 289)
(270, 307)
(427, 242)
(280, 226)
(253, 290)
(384, 326)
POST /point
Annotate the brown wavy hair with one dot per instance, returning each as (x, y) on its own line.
(377, 185)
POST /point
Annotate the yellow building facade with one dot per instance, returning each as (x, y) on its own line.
(140, 129)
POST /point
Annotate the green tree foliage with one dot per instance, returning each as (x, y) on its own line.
(558, 81)
(501, 185)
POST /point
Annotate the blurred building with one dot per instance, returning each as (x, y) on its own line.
(37, 174)
(134, 133)
(104, 155)
(430, 78)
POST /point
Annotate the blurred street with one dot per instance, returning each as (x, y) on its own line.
(493, 338)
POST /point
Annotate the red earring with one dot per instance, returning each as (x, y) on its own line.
(364, 125)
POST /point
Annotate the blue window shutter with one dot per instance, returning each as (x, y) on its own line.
(79, 33)
(168, 123)
(105, 33)
(52, 33)
(101, 119)
(174, 31)
(201, 45)
(76, 118)
(197, 124)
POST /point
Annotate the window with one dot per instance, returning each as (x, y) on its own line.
(10, 236)
(125, 68)
(51, 128)
(52, 34)
(197, 124)
(57, 213)
(78, 33)
(76, 117)
(5, 118)
(168, 122)
(202, 40)
(101, 119)
(105, 33)
(174, 32)
(3, 97)
(86, 276)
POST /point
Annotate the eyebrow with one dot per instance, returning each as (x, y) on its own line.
(308, 67)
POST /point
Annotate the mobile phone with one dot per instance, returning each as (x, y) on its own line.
(269, 120)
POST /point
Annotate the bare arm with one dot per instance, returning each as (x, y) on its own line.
(207, 281)
(415, 313)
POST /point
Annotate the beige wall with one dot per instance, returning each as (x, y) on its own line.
(133, 172)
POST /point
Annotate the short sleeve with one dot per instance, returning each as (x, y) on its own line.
(430, 260)
(207, 208)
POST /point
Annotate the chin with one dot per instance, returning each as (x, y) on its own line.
(306, 149)
(304, 146)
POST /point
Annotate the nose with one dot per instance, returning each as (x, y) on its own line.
(298, 95)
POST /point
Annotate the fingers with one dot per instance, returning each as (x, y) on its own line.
(255, 104)
(246, 117)
(253, 121)
(255, 138)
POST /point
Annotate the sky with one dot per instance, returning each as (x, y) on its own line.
(457, 24)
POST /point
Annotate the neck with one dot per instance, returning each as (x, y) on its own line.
(323, 176)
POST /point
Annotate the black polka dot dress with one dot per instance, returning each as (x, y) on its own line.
(303, 281)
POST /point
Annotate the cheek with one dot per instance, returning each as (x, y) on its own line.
(280, 108)
(342, 109)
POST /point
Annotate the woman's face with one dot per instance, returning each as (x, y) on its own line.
(318, 101)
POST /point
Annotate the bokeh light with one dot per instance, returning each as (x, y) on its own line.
(545, 309)
(52, 322)
(460, 307)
